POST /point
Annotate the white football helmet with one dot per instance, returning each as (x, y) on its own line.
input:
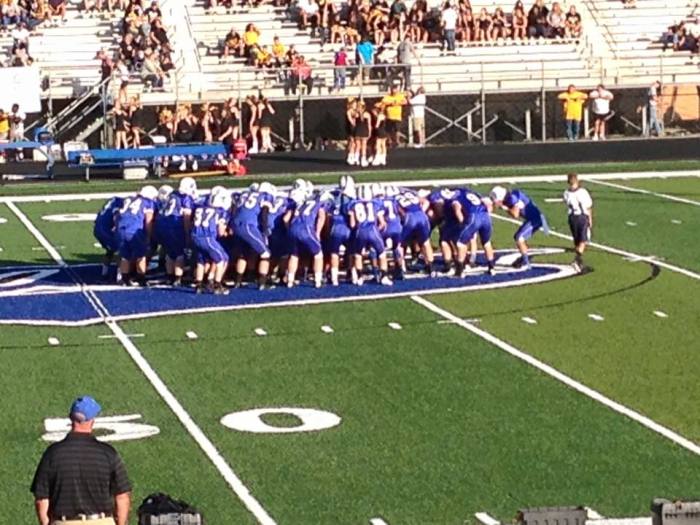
(391, 191)
(149, 192)
(254, 187)
(498, 193)
(326, 196)
(221, 199)
(164, 193)
(365, 192)
(266, 187)
(217, 189)
(348, 186)
(298, 196)
(188, 186)
(309, 188)
(378, 190)
(299, 184)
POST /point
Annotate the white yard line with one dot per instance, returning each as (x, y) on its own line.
(194, 430)
(407, 183)
(645, 192)
(623, 253)
(563, 378)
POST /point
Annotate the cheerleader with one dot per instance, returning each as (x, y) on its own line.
(362, 133)
(253, 124)
(351, 130)
(380, 135)
(121, 126)
(265, 111)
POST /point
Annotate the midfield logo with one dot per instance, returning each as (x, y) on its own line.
(49, 295)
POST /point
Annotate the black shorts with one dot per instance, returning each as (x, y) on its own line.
(392, 126)
(580, 228)
(601, 116)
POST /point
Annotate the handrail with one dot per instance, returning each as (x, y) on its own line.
(192, 39)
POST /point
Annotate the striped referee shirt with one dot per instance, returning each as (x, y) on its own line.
(578, 201)
(80, 475)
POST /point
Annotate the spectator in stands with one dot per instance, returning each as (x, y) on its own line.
(500, 28)
(653, 99)
(165, 126)
(121, 126)
(4, 126)
(11, 12)
(151, 73)
(573, 100)
(158, 34)
(448, 22)
(233, 44)
(251, 38)
(465, 25)
(406, 52)
(127, 50)
(308, 15)
(519, 19)
(365, 56)
(184, 124)
(573, 23)
(399, 13)
(57, 11)
(600, 106)
(393, 103)
(340, 63)
(687, 41)
(279, 51)
(417, 19)
(301, 74)
(483, 25)
(672, 36)
(629, 3)
(556, 21)
(211, 5)
(418, 101)
(326, 16)
(537, 20)
(20, 37)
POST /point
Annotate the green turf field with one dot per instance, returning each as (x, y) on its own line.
(437, 422)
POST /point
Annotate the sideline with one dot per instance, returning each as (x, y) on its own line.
(561, 377)
(192, 428)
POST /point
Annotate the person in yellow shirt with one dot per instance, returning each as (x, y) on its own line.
(573, 110)
(393, 103)
(4, 125)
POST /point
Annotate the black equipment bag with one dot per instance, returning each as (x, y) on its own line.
(161, 509)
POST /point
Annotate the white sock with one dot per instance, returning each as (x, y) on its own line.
(334, 275)
(318, 279)
(119, 276)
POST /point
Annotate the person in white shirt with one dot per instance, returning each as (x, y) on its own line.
(418, 101)
(580, 209)
(449, 27)
(600, 105)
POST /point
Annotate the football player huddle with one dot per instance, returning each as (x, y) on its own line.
(357, 232)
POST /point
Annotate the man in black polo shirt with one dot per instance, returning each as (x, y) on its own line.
(81, 479)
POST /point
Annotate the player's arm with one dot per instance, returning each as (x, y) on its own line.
(381, 221)
(187, 222)
(514, 211)
(320, 222)
(148, 223)
(352, 220)
(459, 213)
(122, 505)
(264, 215)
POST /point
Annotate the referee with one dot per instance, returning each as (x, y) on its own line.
(81, 479)
(580, 208)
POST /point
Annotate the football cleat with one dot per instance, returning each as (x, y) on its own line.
(386, 281)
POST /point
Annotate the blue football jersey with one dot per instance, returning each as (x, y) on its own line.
(249, 207)
(278, 207)
(133, 213)
(528, 209)
(409, 202)
(177, 206)
(366, 212)
(391, 212)
(471, 202)
(307, 213)
(206, 221)
(106, 218)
